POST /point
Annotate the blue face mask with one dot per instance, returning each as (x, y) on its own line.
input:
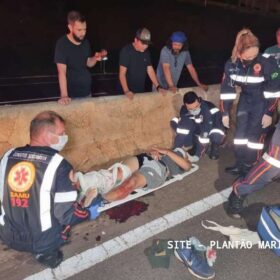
(62, 141)
(195, 111)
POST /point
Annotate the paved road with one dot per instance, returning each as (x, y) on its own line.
(132, 263)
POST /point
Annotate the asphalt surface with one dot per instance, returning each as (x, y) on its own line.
(232, 264)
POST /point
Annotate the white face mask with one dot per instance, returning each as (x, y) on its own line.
(195, 112)
(62, 141)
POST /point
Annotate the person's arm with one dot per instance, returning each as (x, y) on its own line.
(98, 56)
(271, 86)
(91, 61)
(182, 162)
(64, 98)
(194, 76)
(137, 180)
(66, 209)
(122, 77)
(227, 95)
(153, 77)
(168, 77)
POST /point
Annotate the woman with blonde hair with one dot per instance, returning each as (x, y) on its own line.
(259, 80)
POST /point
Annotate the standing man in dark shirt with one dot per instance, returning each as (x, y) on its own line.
(73, 57)
(135, 64)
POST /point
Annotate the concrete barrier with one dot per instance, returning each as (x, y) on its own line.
(104, 129)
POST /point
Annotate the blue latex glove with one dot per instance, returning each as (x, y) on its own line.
(93, 208)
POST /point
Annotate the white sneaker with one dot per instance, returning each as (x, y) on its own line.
(193, 158)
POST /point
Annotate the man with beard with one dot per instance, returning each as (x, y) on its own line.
(173, 56)
(73, 57)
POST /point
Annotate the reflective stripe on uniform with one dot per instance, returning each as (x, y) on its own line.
(273, 161)
(269, 94)
(2, 221)
(45, 192)
(247, 79)
(255, 146)
(216, 130)
(198, 120)
(61, 197)
(266, 55)
(228, 96)
(203, 140)
(182, 131)
(3, 165)
(176, 120)
(214, 110)
(240, 141)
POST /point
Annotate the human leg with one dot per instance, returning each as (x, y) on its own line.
(240, 139)
(137, 180)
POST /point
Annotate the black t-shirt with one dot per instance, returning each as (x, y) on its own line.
(136, 63)
(75, 58)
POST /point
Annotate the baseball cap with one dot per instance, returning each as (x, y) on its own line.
(178, 37)
(144, 35)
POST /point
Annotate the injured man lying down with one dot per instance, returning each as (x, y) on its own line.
(147, 170)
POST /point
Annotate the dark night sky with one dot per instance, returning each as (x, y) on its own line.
(30, 29)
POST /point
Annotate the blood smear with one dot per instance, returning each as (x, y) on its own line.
(123, 212)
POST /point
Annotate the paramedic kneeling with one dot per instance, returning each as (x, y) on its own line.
(38, 198)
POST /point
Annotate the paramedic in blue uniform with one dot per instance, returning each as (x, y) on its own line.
(199, 124)
(258, 78)
(38, 198)
(266, 170)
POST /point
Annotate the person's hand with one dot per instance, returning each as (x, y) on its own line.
(65, 100)
(103, 53)
(225, 121)
(129, 94)
(93, 212)
(173, 89)
(74, 179)
(162, 91)
(93, 208)
(266, 121)
(100, 55)
(203, 87)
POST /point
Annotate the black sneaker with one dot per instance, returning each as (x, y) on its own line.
(51, 260)
(235, 205)
(246, 168)
(214, 151)
(234, 170)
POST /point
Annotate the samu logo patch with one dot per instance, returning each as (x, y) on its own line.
(274, 75)
(21, 176)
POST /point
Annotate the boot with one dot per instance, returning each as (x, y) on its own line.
(235, 169)
(51, 260)
(214, 151)
(245, 169)
(235, 205)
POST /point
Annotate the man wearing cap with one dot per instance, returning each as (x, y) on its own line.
(135, 64)
(173, 56)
